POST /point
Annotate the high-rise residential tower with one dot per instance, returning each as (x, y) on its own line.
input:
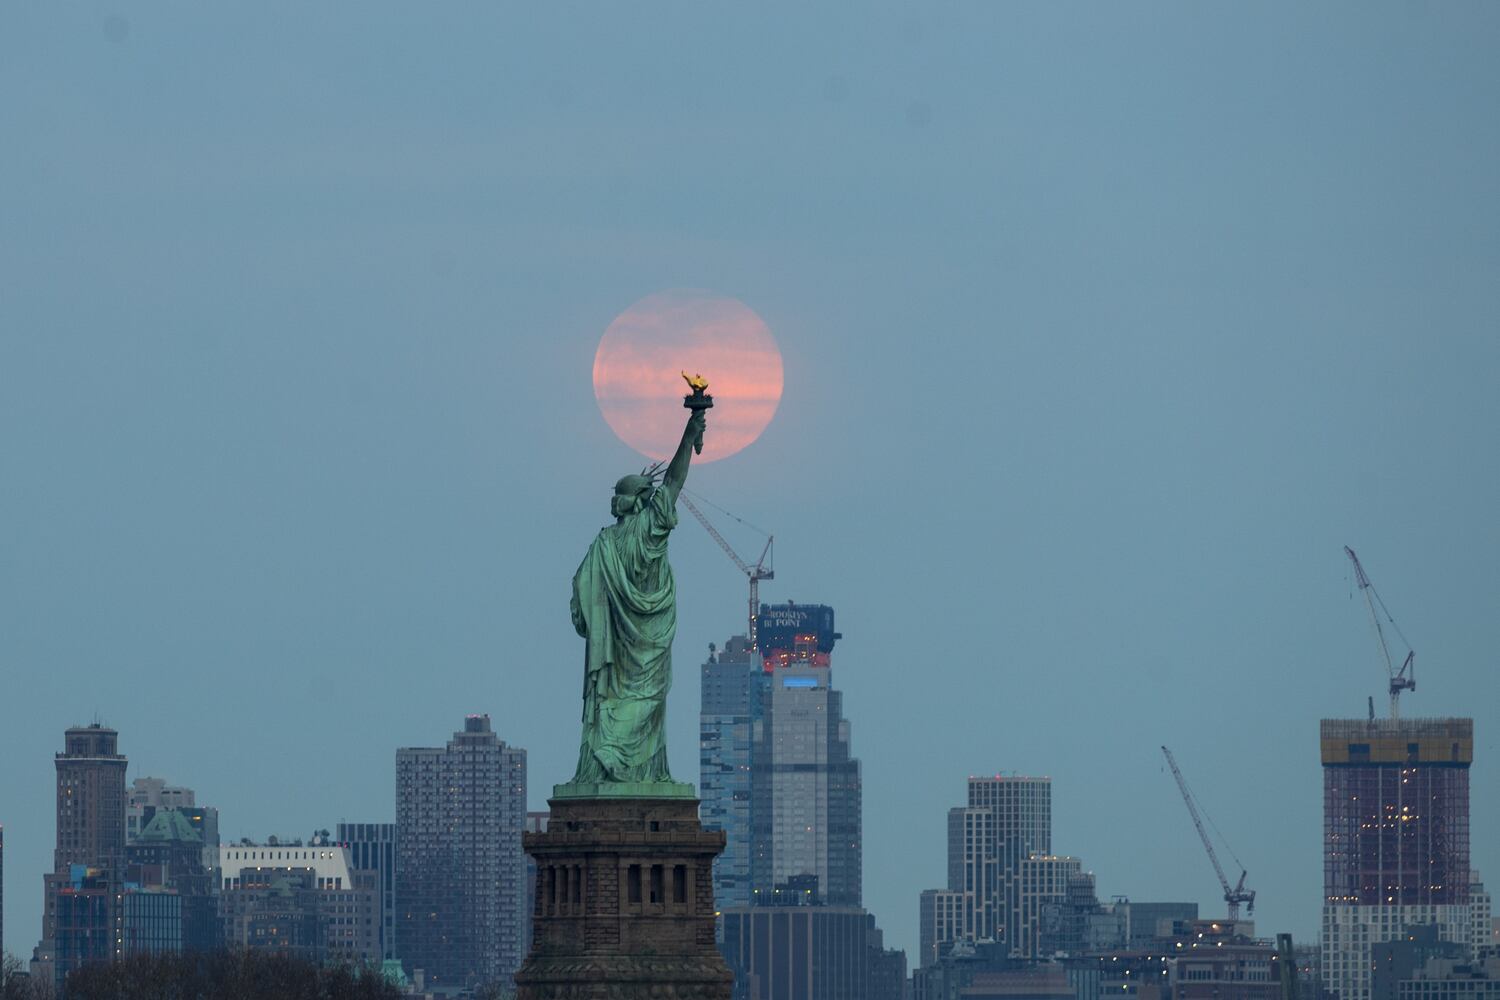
(1395, 838)
(1007, 821)
(460, 871)
(1020, 826)
(805, 784)
(732, 682)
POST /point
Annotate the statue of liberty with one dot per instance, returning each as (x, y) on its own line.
(625, 607)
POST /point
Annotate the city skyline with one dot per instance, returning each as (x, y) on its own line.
(1104, 331)
(1008, 817)
(958, 818)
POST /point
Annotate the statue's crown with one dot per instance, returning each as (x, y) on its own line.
(647, 478)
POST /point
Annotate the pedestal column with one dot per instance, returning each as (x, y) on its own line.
(624, 904)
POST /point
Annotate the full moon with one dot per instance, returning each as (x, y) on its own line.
(637, 368)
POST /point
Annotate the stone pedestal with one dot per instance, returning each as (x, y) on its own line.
(624, 904)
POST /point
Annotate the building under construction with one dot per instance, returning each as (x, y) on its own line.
(1395, 838)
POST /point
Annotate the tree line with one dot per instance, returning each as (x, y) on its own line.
(216, 975)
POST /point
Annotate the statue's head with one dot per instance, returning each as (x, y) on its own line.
(631, 494)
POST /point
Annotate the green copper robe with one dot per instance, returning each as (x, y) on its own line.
(625, 606)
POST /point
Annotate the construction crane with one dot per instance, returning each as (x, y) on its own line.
(760, 571)
(1239, 894)
(1401, 680)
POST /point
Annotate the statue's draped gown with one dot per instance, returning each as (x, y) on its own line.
(624, 605)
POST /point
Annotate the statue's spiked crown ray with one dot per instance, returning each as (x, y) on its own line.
(647, 479)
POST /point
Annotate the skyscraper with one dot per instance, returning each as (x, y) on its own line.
(777, 764)
(805, 784)
(372, 847)
(1021, 826)
(81, 915)
(732, 682)
(1395, 838)
(460, 870)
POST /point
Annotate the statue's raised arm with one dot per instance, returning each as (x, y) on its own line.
(677, 469)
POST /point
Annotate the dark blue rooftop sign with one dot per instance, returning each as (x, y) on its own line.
(778, 626)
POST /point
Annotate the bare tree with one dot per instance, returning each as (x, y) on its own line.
(494, 991)
(224, 975)
(17, 984)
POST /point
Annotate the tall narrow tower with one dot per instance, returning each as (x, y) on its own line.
(806, 791)
(974, 872)
(372, 847)
(81, 915)
(732, 685)
(1395, 838)
(90, 801)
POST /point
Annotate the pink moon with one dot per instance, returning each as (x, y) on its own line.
(637, 368)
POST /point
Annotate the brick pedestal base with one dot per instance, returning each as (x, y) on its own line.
(624, 905)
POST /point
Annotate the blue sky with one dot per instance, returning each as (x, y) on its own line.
(1105, 327)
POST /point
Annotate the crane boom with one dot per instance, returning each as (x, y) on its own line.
(744, 566)
(760, 571)
(1400, 680)
(1232, 897)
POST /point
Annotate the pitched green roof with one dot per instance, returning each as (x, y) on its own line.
(169, 824)
(393, 972)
